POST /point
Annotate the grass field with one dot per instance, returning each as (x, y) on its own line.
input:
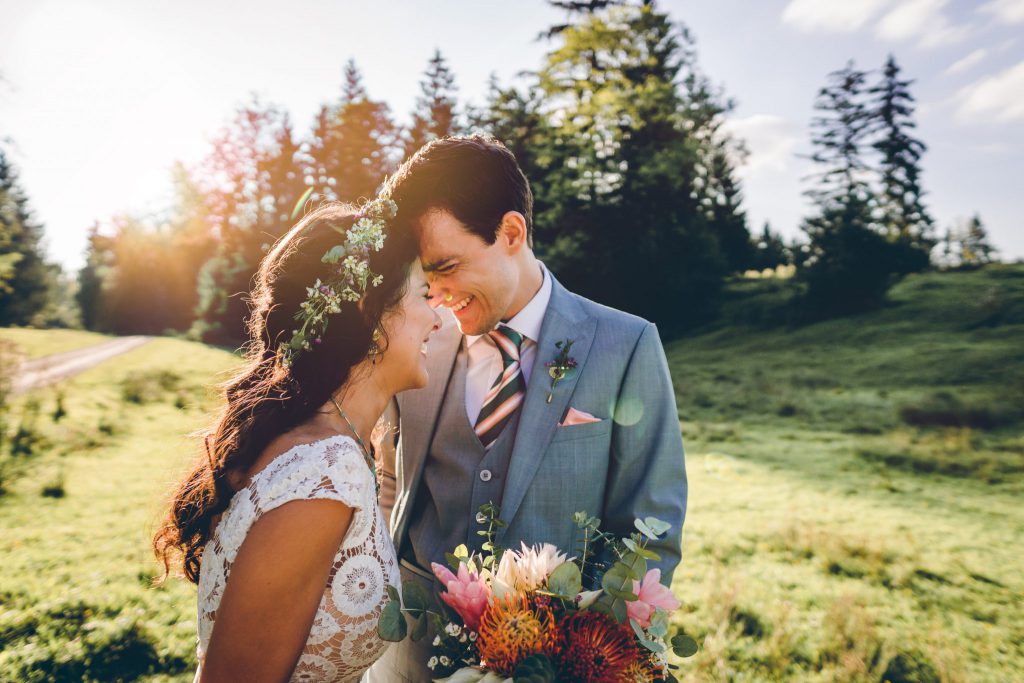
(35, 343)
(855, 498)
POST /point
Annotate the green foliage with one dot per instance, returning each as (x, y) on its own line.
(435, 115)
(150, 385)
(806, 558)
(24, 275)
(620, 135)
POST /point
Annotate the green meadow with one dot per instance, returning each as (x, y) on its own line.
(855, 506)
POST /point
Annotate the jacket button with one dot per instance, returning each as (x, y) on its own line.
(485, 475)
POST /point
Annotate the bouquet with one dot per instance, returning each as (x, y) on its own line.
(523, 615)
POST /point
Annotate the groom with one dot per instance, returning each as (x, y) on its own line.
(492, 425)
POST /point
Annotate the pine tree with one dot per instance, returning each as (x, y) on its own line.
(975, 248)
(634, 129)
(848, 263)
(24, 273)
(770, 250)
(349, 154)
(435, 115)
(840, 133)
(905, 218)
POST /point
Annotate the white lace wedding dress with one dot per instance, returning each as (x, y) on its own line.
(343, 641)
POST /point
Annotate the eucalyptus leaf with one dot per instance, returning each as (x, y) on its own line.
(645, 530)
(420, 629)
(335, 254)
(659, 623)
(628, 596)
(566, 580)
(393, 593)
(619, 611)
(683, 645)
(657, 526)
(414, 597)
(391, 625)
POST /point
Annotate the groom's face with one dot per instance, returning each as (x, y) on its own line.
(475, 280)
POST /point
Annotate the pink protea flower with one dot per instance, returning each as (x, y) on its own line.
(652, 595)
(466, 592)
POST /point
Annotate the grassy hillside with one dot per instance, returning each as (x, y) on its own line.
(75, 595)
(855, 497)
(855, 487)
(35, 343)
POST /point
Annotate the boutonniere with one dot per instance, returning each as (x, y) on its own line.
(560, 366)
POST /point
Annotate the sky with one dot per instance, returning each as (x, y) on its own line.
(101, 97)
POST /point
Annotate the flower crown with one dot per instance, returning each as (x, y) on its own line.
(351, 279)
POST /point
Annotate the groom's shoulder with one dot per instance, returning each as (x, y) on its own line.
(609, 318)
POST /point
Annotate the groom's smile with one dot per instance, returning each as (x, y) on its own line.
(478, 282)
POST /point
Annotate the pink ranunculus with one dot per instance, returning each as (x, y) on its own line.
(467, 593)
(652, 595)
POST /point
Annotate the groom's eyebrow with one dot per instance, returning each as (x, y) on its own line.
(434, 266)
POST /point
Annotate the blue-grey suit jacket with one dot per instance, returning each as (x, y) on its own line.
(629, 465)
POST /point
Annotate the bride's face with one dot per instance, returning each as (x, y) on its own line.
(403, 363)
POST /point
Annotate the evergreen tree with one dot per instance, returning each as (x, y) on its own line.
(24, 274)
(633, 124)
(91, 278)
(348, 155)
(770, 250)
(905, 218)
(435, 115)
(839, 135)
(974, 246)
(848, 263)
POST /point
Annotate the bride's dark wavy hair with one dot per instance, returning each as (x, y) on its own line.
(266, 398)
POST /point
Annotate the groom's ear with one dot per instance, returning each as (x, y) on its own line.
(512, 231)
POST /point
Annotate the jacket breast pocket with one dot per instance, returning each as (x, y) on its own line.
(589, 430)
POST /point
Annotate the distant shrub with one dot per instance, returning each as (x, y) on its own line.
(146, 387)
(55, 487)
(59, 412)
(27, 438)
(943, 409)
(910, 667)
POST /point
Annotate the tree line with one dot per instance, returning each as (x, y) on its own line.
(637, 200)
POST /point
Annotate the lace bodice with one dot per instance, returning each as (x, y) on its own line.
(343, 641)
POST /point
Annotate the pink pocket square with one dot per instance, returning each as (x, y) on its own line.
(577, 417)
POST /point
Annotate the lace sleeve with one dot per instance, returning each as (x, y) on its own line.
(332, 469)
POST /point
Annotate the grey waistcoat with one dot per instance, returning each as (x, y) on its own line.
(458, 477)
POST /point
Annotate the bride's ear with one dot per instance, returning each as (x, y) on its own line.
(512, 230)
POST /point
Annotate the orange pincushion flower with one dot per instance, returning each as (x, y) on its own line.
(511, 630)
(595, 649)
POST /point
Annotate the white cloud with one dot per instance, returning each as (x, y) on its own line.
(967, 63)
(771, 141)
(839, 16)
(923, 20)
(998, 98)
(1005, 11)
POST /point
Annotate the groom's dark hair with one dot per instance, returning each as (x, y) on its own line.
(475, 178)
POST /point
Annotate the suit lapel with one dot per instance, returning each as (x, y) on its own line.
(563, 320)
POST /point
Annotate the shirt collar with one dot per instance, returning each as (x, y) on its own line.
(528, 321)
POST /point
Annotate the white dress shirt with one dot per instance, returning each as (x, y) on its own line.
(484, 361)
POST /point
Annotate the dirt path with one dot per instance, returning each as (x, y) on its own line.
(49, 369)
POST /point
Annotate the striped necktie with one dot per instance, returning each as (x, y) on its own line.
(507, 393)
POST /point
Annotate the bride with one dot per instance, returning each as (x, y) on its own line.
(278, 521)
